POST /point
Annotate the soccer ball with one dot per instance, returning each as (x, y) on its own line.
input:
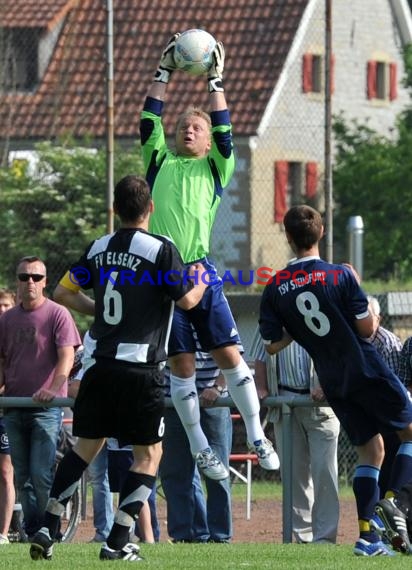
(193, 51)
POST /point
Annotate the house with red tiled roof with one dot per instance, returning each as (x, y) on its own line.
(53, 81)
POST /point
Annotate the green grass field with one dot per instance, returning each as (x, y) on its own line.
(166, 556)
(215, 556)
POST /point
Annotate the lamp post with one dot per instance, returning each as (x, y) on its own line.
(355, 243)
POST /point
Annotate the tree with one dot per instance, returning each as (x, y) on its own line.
(55, 211)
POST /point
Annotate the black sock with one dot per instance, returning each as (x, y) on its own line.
(135, 491)
(65, 482)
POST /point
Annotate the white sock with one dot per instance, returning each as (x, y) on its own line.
(186, 402)
(242, 389)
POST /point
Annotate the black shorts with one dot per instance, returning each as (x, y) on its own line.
(120, 400)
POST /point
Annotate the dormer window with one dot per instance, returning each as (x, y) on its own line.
(19, 65)
(27, 44)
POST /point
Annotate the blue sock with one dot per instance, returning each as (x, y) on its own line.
(401, 468)
(366, 490)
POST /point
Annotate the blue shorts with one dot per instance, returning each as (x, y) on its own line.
(4, 440)
(212, 320)
(382, 407)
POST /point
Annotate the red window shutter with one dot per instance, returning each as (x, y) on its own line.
(393, 81)
(311, 179)
(307, 73)
(371, 80)
(332, 74)
(281, 185)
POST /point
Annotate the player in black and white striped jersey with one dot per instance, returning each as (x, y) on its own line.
(136, 278)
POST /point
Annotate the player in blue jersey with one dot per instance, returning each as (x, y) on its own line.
(187, 186)
(323, 308)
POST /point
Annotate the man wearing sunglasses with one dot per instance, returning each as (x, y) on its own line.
(38, 338)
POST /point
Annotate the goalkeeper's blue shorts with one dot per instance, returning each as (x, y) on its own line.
(212, 320)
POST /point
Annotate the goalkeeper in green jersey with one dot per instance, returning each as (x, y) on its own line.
(187, 186)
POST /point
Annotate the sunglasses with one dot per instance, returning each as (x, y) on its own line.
(26, 276)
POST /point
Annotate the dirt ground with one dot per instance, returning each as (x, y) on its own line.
(265, 524)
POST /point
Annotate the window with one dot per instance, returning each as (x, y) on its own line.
(313, 73)
(18, 59)
(24, 161)
(382, 82)
(295, 183)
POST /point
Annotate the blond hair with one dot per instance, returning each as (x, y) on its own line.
(194, 112)
(8, 294)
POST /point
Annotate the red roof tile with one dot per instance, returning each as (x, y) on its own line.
(33, 13)
(257, 36)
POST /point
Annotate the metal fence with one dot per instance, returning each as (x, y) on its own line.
(47, 52)
(63, 207)
(55, 207)
(287, 406)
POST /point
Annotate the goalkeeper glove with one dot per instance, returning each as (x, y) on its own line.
(215, 73)
(167, 61)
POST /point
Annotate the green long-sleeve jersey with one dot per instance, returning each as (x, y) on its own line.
(186, 191)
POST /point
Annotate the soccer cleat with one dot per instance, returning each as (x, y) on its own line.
(130, 552)
(377, 526)
(210, 465)
(4, 539)
(365, 548)
(267, 456)
(395, 523)
(41, 547)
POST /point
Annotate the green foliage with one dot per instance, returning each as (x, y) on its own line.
(57, 210)
(379, 287)
(373, 178)
(407, 56)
